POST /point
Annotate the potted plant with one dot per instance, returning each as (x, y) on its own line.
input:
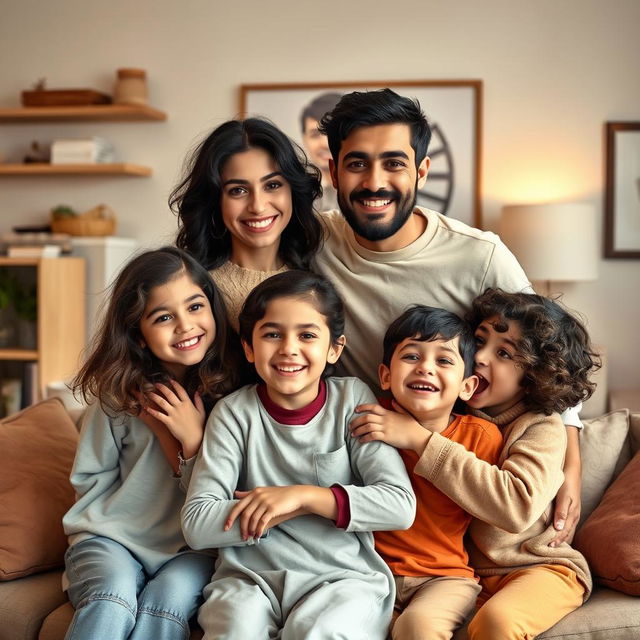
(18, 310)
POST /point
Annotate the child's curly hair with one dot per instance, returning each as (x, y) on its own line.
(555, 350)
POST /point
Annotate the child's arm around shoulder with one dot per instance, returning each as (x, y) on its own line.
(511, 496)
(393, 426)
(385, 501)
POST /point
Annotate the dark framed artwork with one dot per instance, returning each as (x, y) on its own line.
(622, 195)
(453, 108)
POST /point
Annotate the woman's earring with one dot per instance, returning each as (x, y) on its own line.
(214, 231)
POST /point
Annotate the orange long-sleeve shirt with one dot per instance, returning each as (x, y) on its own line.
(433, 545)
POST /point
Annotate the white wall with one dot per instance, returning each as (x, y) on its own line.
(553, 73)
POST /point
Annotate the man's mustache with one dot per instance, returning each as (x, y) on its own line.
(366, 194)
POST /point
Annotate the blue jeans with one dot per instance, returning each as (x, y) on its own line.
(115, 599)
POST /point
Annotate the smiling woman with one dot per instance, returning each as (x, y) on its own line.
(245, 207)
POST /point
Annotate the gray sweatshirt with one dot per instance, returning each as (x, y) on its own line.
(245, 448)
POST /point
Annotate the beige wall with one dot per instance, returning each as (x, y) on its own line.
(553, 73)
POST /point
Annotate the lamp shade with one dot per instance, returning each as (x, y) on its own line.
(554, 242)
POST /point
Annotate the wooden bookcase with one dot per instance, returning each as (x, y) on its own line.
(60, 324)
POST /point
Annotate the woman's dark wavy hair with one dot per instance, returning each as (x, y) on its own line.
(370, 108)
(196, 200)
(305, 285)
(555, 351)
(118, 368)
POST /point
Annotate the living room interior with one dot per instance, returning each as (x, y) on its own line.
(551, 76)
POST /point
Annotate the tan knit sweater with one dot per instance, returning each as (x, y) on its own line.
(236, 283)
(512, 501)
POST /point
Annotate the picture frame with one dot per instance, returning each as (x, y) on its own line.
(622, 193)
(453, 109)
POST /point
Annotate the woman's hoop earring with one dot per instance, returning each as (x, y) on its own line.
(215, 234)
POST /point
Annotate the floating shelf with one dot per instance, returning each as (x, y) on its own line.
(18, 354)
(104, 112)
(104, 169)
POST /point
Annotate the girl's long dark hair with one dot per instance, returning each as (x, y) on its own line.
(196, 200)
(118, 369)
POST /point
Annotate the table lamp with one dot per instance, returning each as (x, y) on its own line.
(553, 242)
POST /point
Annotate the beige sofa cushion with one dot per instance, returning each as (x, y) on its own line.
(37, 447)
(25, 603)
(605, 448)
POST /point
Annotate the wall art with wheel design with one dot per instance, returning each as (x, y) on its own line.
(453, 108)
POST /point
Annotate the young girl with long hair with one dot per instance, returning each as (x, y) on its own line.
(282, 490)
(245, 207)
(533, 360)
(161, 357)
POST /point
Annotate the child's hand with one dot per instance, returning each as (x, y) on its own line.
(184, 418)
(263, 508)
(566, 513)
(170, 446)
(397, 429)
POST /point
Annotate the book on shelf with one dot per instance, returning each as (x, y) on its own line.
(10, 396)
(34, 251)
(30, 394)
(35, 239)
(82, 151)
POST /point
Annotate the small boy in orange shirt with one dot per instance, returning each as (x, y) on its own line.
(428, 364)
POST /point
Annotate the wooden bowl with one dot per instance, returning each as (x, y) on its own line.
(78, 226)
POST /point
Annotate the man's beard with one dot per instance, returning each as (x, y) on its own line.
(370, 229)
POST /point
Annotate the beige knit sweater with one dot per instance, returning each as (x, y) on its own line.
(512, 501)
(236, 283)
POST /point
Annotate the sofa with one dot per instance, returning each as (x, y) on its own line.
(36, 452)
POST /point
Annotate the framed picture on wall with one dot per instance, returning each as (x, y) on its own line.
(454, 111)
(622, 196)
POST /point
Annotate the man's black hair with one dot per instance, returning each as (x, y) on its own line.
(371, 108)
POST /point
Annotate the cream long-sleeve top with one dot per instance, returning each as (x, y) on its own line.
(512, 501)
(126, 490)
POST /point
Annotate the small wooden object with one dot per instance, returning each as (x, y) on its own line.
(63, 97)
(99, 221)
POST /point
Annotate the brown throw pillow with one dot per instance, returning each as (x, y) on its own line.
(37, 447)
(610, 537)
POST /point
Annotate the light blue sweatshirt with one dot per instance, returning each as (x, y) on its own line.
(244, 447)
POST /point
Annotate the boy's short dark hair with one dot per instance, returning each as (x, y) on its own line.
(425, 324)
(370, 108)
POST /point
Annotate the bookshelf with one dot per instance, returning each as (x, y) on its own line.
(60, 320)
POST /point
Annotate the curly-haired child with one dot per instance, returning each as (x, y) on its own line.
(533, 360)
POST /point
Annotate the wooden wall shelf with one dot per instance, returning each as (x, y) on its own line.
(18, 354)
(98, 112)
(100, 169)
